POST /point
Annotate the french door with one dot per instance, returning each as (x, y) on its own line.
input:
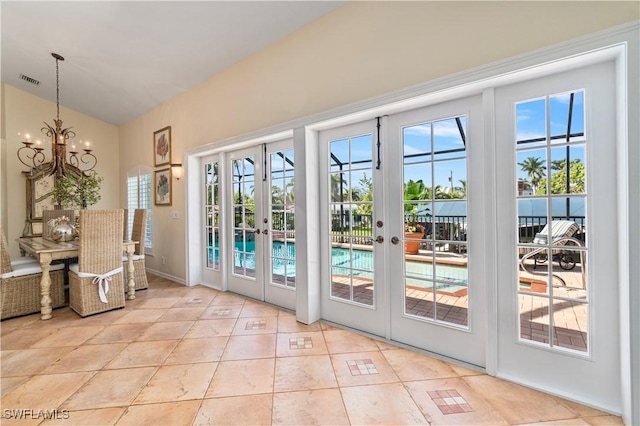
(246, 263)
(261, 225)
(557, 224)
(402, 226)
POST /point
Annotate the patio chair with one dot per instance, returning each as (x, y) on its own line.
(138, 234)
(96, 282)
(20, 284)
(562, 232)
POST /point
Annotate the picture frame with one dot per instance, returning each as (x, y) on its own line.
(162, 146)
(162, 187)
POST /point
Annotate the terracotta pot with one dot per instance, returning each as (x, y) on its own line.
(411, 247)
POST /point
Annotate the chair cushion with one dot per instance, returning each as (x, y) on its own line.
(21, 260)
(135, 257)
(29, 269)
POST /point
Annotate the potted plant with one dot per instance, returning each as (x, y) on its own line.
(413, 233)
(413, 230)
(80, 192)
(63, 192)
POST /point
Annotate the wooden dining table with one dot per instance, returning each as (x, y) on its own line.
(47, 251)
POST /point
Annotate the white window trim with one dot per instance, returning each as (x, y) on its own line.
(137, 172)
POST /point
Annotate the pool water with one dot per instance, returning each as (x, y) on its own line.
(419, 274)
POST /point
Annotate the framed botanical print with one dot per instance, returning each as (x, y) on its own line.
(162, 146)
(162, 187)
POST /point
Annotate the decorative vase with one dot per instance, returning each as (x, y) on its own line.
(64, 231)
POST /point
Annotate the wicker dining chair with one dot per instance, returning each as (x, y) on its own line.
(125, 226)
(20, 284)
(48, 215)
(138, 234)
(96, 282)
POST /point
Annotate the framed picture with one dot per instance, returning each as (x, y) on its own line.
(162, 146)
(162, 187)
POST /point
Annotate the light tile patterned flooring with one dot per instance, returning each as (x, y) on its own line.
(196, 356)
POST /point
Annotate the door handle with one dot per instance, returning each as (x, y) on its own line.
(266, 231)
(395, 241)
(379, 239)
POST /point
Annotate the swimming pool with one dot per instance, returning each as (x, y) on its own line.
(357, 263)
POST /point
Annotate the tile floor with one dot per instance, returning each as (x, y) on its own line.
(196, 356)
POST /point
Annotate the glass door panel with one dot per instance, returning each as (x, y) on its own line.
(279, 225)
(353, 247)
(244, 218)
(213, 256)
(212, 215)
(433, 221)
(557, 279)
(552, 221)
(246, 191)
(282, 207)
(351, 186)
(435, 249)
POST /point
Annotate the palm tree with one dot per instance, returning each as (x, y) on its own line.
(558, 164)
(414, 191)
(338, 184)
(463, 188)
(290, 197)
(534, 168)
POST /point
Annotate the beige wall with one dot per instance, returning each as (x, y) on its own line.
(24, 112)
(361, 50)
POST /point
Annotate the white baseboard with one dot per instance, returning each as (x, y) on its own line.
(167, 276)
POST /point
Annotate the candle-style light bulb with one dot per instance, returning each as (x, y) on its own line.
(73, 147)
(27, 137)
(87, 144)
(38, 142)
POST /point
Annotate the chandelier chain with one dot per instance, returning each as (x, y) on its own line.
(57, 91)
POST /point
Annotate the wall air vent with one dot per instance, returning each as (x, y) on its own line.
(29, 79)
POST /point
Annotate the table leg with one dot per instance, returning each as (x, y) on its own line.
(130, 270)
(45, 287)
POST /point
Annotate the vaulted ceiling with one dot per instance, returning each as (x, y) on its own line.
(124, 58)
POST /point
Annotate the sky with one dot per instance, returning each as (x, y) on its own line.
(531, 122)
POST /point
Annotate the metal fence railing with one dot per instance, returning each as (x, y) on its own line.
(349, 227)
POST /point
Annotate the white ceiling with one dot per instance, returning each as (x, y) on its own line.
(124, 58)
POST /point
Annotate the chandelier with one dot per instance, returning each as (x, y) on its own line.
(32, 154)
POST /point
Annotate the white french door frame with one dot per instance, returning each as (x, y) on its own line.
(594, 374)
(620, 44)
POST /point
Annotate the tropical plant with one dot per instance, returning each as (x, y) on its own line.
(415, 191)
(413, 227)
(338, 184)
(535, 169)
(559, 178)
(365, 196)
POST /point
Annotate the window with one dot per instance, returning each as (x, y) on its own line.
(552, 221)
(139, 184)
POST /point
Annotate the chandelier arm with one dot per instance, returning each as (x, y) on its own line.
(30, 157)
(90, 159)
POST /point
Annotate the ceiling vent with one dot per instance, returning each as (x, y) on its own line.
(29, 79)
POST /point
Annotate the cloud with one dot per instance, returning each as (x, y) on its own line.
(444, 128)
(527, 135)
(419, 130)
(526, 114)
